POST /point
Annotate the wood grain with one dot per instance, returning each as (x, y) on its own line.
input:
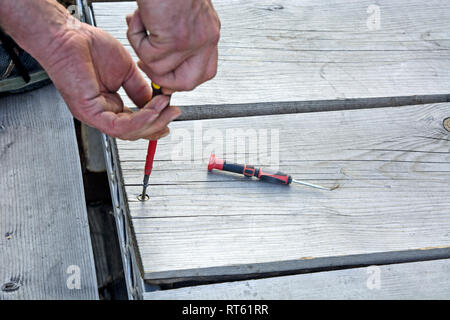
(43, 221)
(418, 280)
(305, 51)
(392, 166)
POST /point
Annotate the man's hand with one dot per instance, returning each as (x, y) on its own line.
(180, 51)
(88, 66)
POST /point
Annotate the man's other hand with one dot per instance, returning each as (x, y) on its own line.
(88, 68)
(176, 41)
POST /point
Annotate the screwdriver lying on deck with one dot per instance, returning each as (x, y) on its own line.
(150, 154)
(263, 175)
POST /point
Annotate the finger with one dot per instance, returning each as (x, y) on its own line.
(167, 115)
(111, 102)
(166, 81)
(136, 87)
(127, 110)
(211, 69)
(122, 125)
(187, 76)
(151, 127)
(153, 130)
(158, 135)
(168, 63)
(127, 125)
(136, 33)
(128, 18)
(140, 41)
(167, 92)
(154, 107)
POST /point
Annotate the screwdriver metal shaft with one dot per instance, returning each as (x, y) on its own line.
(313, 185)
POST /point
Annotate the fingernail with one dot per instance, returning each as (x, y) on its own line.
(167, 92)
(164, 135)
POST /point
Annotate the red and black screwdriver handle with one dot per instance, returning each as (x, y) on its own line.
(249, 171)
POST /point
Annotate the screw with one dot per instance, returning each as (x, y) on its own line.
(447, 124)
(143, 198)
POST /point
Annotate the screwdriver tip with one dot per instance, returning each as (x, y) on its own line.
(142, 197)
(315, 185)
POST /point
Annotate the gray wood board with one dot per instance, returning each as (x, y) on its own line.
(43, 221)
(298, 52)
(392, 165)
(418, 280)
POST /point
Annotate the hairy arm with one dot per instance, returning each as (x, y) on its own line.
(88, 66)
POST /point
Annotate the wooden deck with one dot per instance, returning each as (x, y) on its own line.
(45, 246)
(315, 55)
(416, 280)
(392, 167)
(380, 136)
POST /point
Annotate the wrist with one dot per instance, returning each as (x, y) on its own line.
(38, 26)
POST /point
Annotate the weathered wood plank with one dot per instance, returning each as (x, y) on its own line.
(304, 51)
(43, 221)
(418, 280)
(392, 165)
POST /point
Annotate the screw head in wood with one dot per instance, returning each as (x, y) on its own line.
(447, 124)
(143, 198)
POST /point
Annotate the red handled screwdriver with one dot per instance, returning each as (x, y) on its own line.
(261, 174)
(150, 154)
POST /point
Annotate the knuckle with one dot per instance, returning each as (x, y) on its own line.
(117, 134)
(132, 138)
(215, 36)
(111, 133)
(134, 40)
(211, 73)
(147, 62)
(182, 43)
(153, 68)
(157, 126)
(130, 36)
(126, 136)
(187, 85)
(204, 35)
(156, 69)
(180, 38)
(115, 131)
(219, 23)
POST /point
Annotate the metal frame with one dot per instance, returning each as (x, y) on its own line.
(134, 282)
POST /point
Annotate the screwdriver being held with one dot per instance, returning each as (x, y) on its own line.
(150, 154)
(261, 174)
